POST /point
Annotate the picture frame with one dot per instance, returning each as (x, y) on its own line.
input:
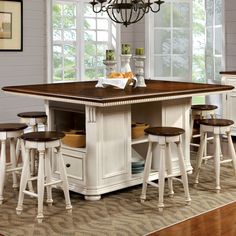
(11, 25)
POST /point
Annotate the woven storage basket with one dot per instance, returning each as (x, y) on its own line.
(76, 139)
(138, 130)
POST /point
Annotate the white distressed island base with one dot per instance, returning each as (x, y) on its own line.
(104, 165)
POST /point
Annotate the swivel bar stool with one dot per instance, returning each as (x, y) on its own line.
(43, 141)
(9, 131)
(217, 127)
(164, 136)
(199, 112)
(33, 119)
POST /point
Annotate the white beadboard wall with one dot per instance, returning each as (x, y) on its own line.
(230, 34)
(26, 67)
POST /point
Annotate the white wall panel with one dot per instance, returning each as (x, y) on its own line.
(230, 34)
(28, 66)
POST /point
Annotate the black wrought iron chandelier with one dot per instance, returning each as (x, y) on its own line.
(126, 12)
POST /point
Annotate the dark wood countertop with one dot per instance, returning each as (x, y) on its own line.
(86, 91)
(233, 72)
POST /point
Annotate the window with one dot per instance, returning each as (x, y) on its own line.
(186, 41)
(79, 40)
(214, 39)
(170, 44)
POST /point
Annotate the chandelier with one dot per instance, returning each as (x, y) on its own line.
(126, 12)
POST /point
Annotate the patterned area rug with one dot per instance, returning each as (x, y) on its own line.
(117, 213)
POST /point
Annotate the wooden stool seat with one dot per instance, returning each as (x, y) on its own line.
(217, 127)
(42, 142)
(33, 119)
(43, 136)
(11, 132)
(216, 122)
(5, 127)
(199, 112)
(204, 107)
(164, 131)
(163, 137)
(32, 114)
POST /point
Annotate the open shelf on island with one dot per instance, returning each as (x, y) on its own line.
(143, 139)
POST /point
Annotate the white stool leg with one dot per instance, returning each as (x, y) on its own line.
(146, 172)
(217, 160)
(2, 168)
(183, 172)
(17, 150)
(23, 182)
(40, 185)
(200, 155)
(191, 127)
(32, 155)
(48, 177)
(64, 180)
(169, 169)
(232, 151)
(161, 177)
(23, 155)
(13, 162)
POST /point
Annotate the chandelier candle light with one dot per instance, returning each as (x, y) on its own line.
(126, 12)
(110, 62)
(139, 63)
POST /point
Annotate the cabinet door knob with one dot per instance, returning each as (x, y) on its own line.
(67, 165)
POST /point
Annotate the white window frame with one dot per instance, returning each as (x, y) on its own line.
(80, 41)
(149, 45)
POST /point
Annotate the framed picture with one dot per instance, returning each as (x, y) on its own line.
(11, 25)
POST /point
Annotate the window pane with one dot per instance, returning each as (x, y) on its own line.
(90, 35)
(57, 56)
(209, 67)
(218, 67)
(102, 24)
(181, 13)
(180, 66)
(90, 23)
(58, 75)
(102, 36)
(180, 41)
(57, 16)
(101, 49)
(70, 23)
(162, 44)
(100, 61)
(69, 50)
(90, 73)
(218, 41)
(209, 12)
(70, 74)
(69, 10)
(209, 41)
(57, 35)
(70, 35)
(162, 66)
(218, 12)
(162, 18)
(88, 11)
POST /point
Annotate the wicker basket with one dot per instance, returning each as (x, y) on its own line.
(138, 130)
(75, 139)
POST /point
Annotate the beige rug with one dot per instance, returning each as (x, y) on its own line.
(117, 213)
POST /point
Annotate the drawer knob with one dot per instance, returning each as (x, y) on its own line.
(67, 165)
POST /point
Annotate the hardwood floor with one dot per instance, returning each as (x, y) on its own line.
(219, 222)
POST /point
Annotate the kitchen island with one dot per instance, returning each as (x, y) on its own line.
(106, 114)
(229, 99)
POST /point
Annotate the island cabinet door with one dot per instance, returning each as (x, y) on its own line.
(229, 101)
(74, 161)
(108, 142)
